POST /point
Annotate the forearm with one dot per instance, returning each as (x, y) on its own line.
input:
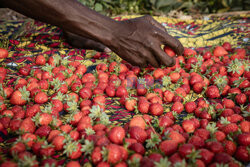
(69, 15)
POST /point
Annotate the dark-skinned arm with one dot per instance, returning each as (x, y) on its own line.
(137, 41)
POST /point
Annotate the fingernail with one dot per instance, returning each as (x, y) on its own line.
(107, 50)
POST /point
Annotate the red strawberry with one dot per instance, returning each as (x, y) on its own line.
(41, 98)
(232, 127)
(177, 137)
(85, 93)
(43, 131)
(177, 107)
(137, 121)
(190, 107)
(227, 46)
(138, 148)
(189, 52)
(73, 164)
(215, 147)
(40, 60)
(121, 91)
(168, 147)
(169, 51)
(242, 154)
(202, 133)
(241, 98)
(138, 133)
(130, 104)
(58, 141)
(3, 53)
(25, 70)
(165, 121)
(186, 149)
(197, 141)
(188, 126)
(143, 106)
(156, 109)
(206, 155)
(116, 135)
(244, 139)
(113, 153)
(20, 96)
(27, 125)
(212, 92)
(219, 51)
(230, 147)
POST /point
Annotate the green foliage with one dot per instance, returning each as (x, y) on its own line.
(158, 7)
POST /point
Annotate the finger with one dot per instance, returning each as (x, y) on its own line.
(155, 23)
(170, 41)
(84, 43)
(163, 57)
(153, 61)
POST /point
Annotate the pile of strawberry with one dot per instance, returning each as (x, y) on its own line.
(196, 113)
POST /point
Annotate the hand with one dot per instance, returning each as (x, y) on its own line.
(139, 41)
(84, 43)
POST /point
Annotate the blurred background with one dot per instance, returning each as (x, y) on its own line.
(164, 7)
(173, 8)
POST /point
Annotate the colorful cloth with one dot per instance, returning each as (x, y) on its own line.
(27, 39)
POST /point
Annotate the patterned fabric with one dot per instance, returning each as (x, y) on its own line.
(27, 39)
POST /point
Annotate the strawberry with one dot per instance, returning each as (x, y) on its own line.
(116, 135)
(236, 68)
(43, 131)
(185, 150)
(176, 136)
(228, 103)
(3, 53)
(245, 126)
(242, 154)
(20, 96)
(138, 148)
(227, 46)
(206, 155)
(156, 109)
(213, 92)
(130, 104)
(27, 125)
(73, 164)
(188, 126)
(165, 121)
(198, 87)
(197, 141)
(168, 147)
(121, 91)
(138, 133)
(231, 127)
(143, 106)
(189, 52)
(85, 93)
(158, 73)
(168, 96)
(229, 147)
(41, 98)
(177, 107)
(219, 51)
(241, 98)
(244, 139)
(58, 141)
(190, 107)
(40, 60)
(72, 149)
(169, 51)
(25, 70)
(215, 147)
(222, 158)
(137, 121)
(112, 153)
